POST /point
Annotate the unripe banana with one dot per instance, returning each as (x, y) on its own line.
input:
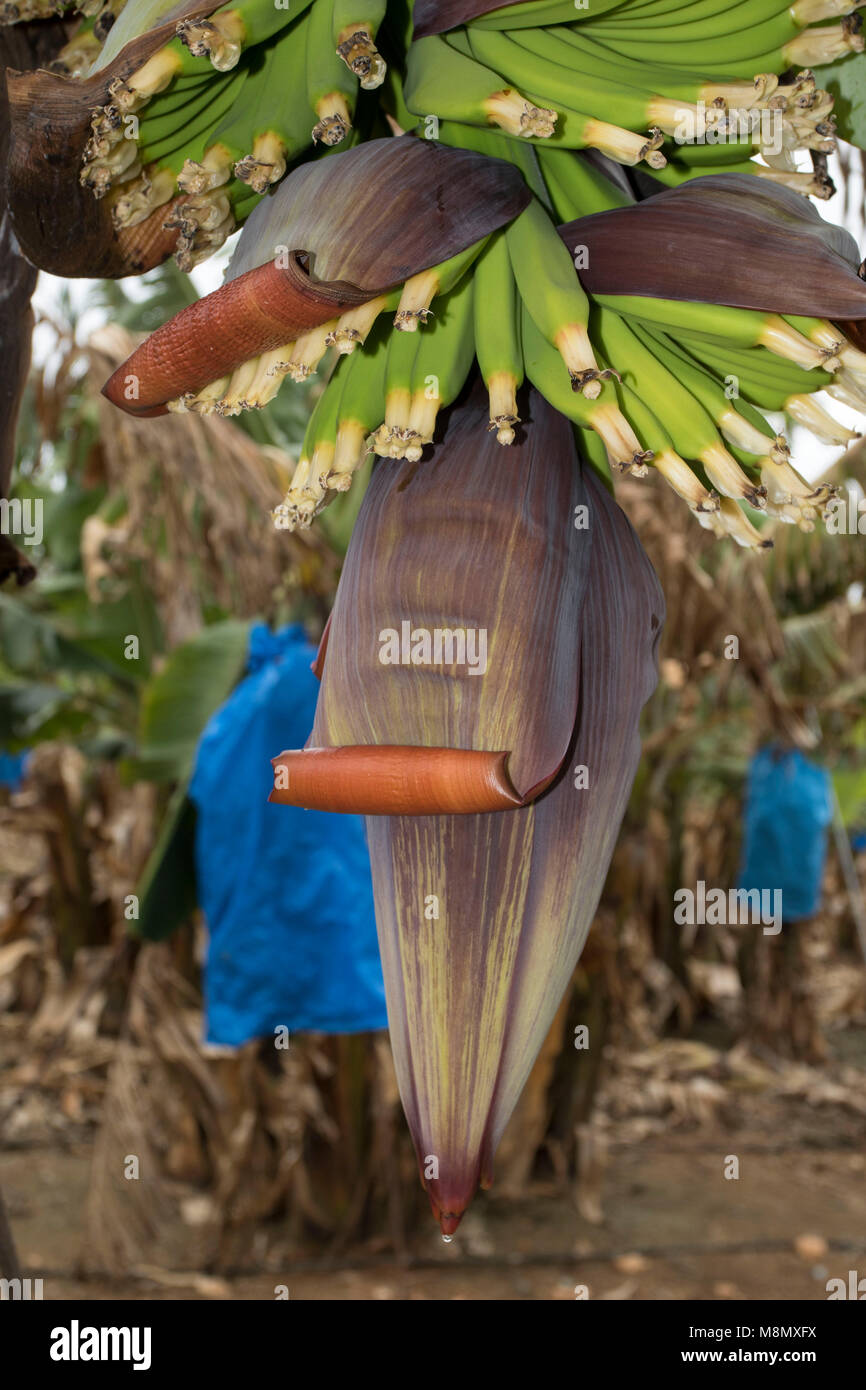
(332, 88)
(552, 294)
(354, 24)
(497, 335)
(625, 452)
(226, 33)
(445, 354)
(442, 82)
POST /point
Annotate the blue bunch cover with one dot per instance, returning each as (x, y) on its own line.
(789, 806)
(286, 893)
(13, 766)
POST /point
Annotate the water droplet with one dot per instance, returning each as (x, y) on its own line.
(447, 1239)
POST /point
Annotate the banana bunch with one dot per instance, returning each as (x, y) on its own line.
(220, 111)
(686, 86)
(644, 381)
(209, 122)
(664, 403)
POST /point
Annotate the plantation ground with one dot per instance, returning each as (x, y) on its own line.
(674, 1228)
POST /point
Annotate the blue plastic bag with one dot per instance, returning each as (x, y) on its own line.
(789, 806)
(13, 767)
(286, 893)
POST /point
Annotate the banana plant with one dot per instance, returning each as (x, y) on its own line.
(423, 188)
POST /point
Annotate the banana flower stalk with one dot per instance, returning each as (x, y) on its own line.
(494, 792)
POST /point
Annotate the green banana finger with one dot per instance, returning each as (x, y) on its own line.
(742, 425)
(689, 424)
(624, 450)
(354, 24)
(445, 355)
(692, 427)
(224, 35)
(552, 293)
(612, 102)
(394, 436)
(331, 86)
(440, 81)
(497, 335)
(262, 132)
(532, 13)
(575, 188)
(360, 379)
(577, 50)
(309, 490)
(703, 501)
(743, 327)
(756, 362)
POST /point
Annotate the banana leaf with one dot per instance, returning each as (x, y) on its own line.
(177, 702)
(167, 891)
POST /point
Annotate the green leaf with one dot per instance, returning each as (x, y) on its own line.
(850, 784)
(847, 82)
(167, 892)
(22, 706)
(178, 702)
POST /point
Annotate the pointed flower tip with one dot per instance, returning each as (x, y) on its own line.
(448, 1220)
